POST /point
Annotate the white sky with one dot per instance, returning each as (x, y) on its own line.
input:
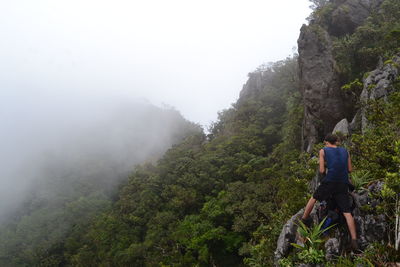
(193, 55)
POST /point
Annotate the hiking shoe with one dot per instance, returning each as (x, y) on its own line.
(354, 247)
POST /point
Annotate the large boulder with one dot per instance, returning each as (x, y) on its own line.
(342, 128)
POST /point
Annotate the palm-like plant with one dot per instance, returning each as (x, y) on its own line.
(310, 251)
(360, 178)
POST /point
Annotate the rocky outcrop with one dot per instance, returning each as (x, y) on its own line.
(332, 248)
(287, 236)
(370, 227)
(324, 102)
(254, 85)
(327, 109)
(342, 128)
(348, 15)
(378, 84)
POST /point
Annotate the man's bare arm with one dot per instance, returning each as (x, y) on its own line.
(321, 161)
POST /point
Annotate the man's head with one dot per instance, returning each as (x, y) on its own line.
(331, 139)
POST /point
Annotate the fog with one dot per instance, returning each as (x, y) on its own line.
(48, 141)
(81, 81)
(193, 55)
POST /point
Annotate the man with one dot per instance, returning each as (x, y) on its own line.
(335, 184)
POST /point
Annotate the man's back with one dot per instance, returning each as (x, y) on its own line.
(337, 164)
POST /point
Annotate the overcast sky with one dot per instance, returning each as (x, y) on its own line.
(192, 55)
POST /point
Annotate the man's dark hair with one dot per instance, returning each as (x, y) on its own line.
(331, 138)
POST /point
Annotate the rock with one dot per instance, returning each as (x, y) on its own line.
(376, 187)
(370, 227)
(342, 127)
(378, 85)
(332, 249)
(348, 15)
(315, 182)
(288, 234)
(253, 86)
(355, 124)
(362, 198)
(324, 101)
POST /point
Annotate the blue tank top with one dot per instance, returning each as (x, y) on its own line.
(337, 164)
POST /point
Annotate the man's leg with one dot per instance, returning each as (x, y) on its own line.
(343, 200)
(350, 224)
(352, 229)
(320, 194)
(309, 207)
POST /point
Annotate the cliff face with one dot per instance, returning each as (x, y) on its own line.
(254, 85)
(324, 102)
(347, 15)
(378, 84)
(328, 108)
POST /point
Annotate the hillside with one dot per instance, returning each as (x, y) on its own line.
(78, 178)
(222, 198)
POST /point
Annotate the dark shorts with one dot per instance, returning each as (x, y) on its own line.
(338, 191)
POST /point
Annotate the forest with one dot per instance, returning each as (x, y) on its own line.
(221, 197)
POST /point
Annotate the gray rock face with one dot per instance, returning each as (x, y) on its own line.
(376, 187)
(378, 84)
(350, 14)
(355, 124)
(370, 228)
(342, 127)
(324, 102)
(254, 85)
(289, 234)
(332, 249)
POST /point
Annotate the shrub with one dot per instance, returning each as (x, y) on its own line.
(310, 251)
(360, 178)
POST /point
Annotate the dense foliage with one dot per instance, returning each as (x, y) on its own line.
(217, 199)
(220, 199)
(378, 38)
(377, 152)
(75, 186)
(212, 200)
